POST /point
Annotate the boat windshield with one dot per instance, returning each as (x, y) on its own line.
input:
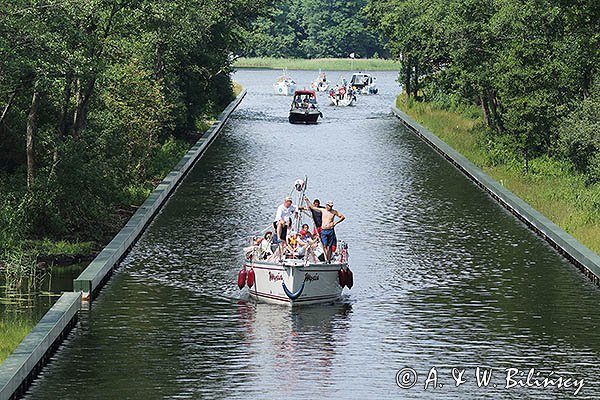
(306, 98)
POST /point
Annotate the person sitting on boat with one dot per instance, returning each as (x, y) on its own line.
(291, 244)
(296, 246)
(305, 232)
(301, 247)
(306, 102)
(264, 245)
(283, 220)
(302, 242)
(328, 215)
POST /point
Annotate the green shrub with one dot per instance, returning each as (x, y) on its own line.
(579, 136)
(13, 219)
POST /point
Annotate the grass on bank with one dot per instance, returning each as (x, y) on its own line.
(237, 88)
(326, 64)
(61, 247)
(551, 186)
(13, 332)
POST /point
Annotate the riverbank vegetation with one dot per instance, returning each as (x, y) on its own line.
(530, 66)
(325, 64)
(519, 81)
(13, 332)
(552, 186)
(98, 101)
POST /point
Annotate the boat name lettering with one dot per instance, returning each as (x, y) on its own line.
(275, 277)
(310, 278)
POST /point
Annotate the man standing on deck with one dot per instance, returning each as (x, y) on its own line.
(328, 215)
(283, 220)
(316, 216)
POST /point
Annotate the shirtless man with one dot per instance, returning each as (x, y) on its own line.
(328, 233)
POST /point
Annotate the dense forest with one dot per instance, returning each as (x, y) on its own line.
(97, 98)
(530, 65)
(314, 29)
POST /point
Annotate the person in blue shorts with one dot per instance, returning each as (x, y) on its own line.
(328, 232)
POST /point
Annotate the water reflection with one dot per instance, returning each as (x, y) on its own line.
(302, 342)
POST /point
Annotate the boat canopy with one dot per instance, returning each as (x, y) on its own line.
(305, 92)
(364, 79)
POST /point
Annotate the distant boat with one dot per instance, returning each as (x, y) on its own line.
(364, 83)
(342, 96)
(304, 108)
(321, 84)
(284, 85)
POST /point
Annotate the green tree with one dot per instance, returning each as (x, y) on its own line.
(314, 29)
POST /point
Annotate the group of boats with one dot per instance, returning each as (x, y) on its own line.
(272, 270)
(305, 108)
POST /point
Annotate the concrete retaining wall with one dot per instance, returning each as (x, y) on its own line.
(99, 270)
(582, 257)
(20, 368)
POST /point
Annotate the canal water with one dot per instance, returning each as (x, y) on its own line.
(444, 278)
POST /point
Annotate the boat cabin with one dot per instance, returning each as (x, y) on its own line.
(304, 99)
(361, 80)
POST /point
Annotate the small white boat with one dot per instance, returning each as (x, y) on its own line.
(291, 279)
(284, 85)
(364, 83)
(321, 84)
(343, 96)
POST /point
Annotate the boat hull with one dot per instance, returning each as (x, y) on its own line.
(304, 117)
(367, 89)
(284, 89)
(341, 102)
(295, 284)
(319, 87)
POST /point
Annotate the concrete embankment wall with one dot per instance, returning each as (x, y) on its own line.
(582, 257)
(96, 274)
(20, 368)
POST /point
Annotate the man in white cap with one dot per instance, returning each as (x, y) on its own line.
(328, 233)
(283, 219)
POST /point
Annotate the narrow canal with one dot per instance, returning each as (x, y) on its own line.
(444, 277)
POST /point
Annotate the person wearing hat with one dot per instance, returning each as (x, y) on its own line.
(283, 219)
(328, 215)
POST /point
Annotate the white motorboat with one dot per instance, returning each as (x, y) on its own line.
(364, 83)
(284, 85)
(293, 279)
